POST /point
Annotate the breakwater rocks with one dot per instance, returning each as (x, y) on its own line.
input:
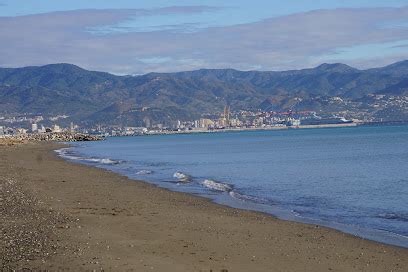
(51, 137)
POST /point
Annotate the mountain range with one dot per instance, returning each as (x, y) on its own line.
(96, 97)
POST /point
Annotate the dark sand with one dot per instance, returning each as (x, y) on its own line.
(59, 215)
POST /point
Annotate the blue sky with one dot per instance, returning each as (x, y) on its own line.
(127, 36)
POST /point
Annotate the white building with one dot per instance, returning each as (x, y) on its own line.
(56, 128)
(34, 127)
(72, 127)
(42, 129)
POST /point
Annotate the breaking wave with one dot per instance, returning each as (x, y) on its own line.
(248, 198)
(144, 172)
(182, 177)
(217, 186)
(102, 161)
(67, 154)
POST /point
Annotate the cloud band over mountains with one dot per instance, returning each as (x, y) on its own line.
(286, 42)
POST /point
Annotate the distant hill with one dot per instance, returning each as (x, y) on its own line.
(97, 97)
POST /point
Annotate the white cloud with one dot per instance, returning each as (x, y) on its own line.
(294, 41)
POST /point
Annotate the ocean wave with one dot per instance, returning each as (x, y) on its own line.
(182, 177)
(66, 153)
(144, 172)
(394, 216)
(296, 213)
(217, 186)
(105, 161)
(249, 198)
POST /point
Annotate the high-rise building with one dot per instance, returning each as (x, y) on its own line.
(72, 128)
(226, 118)
(1, 131)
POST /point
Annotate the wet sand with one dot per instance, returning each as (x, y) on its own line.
(60, 215)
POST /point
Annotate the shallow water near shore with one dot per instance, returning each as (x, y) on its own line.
(351, 179)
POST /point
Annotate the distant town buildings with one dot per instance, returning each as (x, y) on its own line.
(206, 123)
(226, 119)
(292, 122)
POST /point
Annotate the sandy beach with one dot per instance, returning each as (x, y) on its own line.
(58, 215)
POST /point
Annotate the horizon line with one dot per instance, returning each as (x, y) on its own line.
(201, 69)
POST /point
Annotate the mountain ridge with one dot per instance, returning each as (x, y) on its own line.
(69, 89)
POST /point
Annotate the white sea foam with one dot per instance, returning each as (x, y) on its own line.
(244, 197)
(63, 152)
(217, 186)
(296, 213)
(144, 172)
(101, 161)
(66, 154)
(108, 161)
(182, 177)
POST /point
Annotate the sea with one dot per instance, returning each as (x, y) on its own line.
(352, 179)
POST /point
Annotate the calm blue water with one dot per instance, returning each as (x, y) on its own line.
(352, 179)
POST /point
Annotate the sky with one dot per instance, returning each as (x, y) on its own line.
(137, 37)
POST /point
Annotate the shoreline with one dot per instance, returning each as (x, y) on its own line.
(225, 199)
(122, 224)
(78, 137)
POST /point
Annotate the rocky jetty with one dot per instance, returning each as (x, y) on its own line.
(48, 137)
